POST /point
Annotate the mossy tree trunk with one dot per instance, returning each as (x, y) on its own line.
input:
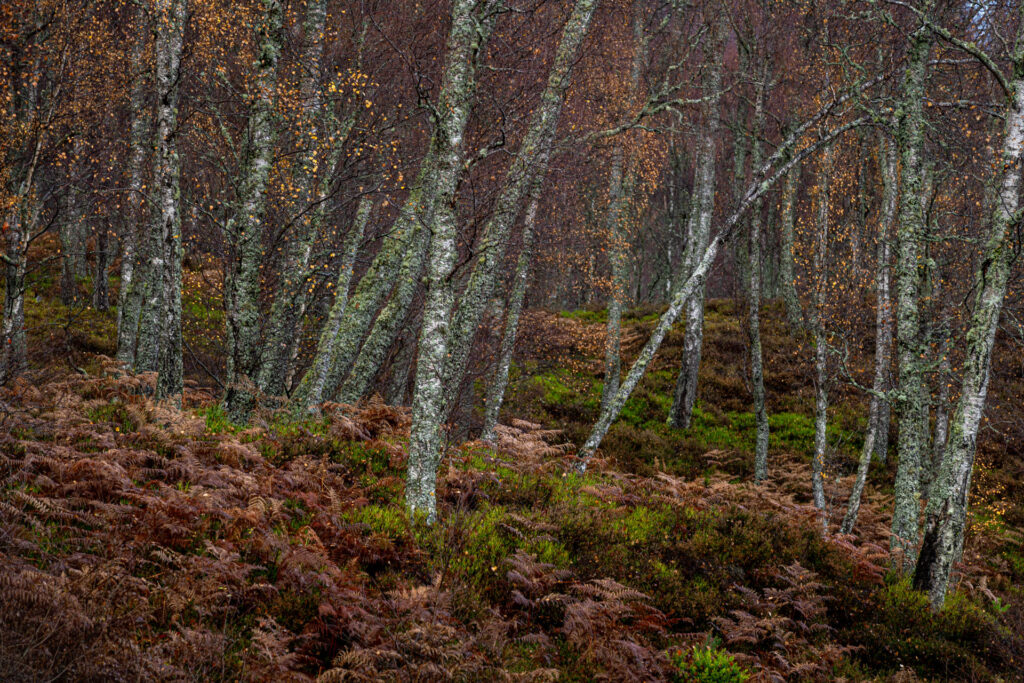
(310, 391)
(946, 514)
(754, 293)
(530, 161)
(912, 403)
(472, 23)
(159, 345)
(245, 229)
(820, 337)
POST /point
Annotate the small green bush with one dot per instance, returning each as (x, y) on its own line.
(706, 664)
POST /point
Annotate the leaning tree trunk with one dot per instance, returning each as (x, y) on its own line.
(912, 405)
(820, 338)
(528, 163)
(472, 23)
(291, 297)
(129, 295)
(698, 233)
(499, 381)
(877, 429)
(159, 345)
(310, 391)
(245, 229)
(946, 514)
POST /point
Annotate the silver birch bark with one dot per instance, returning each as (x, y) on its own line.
(618, 234)
(129, 296)
(754, 296)
(946, 514)
(698, 232)
(389, 321)
(878, 430)
(499, 381)
(912, 405)
(291, 295)
(787, 271)
(376, 283)
(469, 31)
(311, 388)
(820, 339)
(245, 229)
(617, 257)
(159, 346)
(529, 162)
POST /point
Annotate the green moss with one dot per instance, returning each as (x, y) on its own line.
(643, 525)
(390, 522)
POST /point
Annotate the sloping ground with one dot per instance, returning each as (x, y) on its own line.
(139, 542)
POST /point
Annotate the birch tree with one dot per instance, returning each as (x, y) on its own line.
(946, 514)
(159, 345)
(820, 338)
(527, 164)
(472, 23)
(129, 296)
(698, 228)
(754, 292)
(912, 402)
(762, 180)
(311, 388)
(878, 415)
(245, 229)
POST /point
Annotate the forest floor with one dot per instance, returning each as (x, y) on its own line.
(139, 542)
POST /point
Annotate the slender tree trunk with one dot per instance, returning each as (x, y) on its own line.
(129, 295)
(754, 295)
(245, 229)
(292, 293)
(499, 381)
(310, 391)
(619, 189)
(472, 22)
(388, 324)
(878, 430)
(912, 405)
(72, 246)
(401, 366)
(14, 353)
(699, 233)
(159, 346)
(616, 235)
(528, 163)
(130, 292)
(820, 337)
(787, 271)
(101, 285)
(946, 514)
